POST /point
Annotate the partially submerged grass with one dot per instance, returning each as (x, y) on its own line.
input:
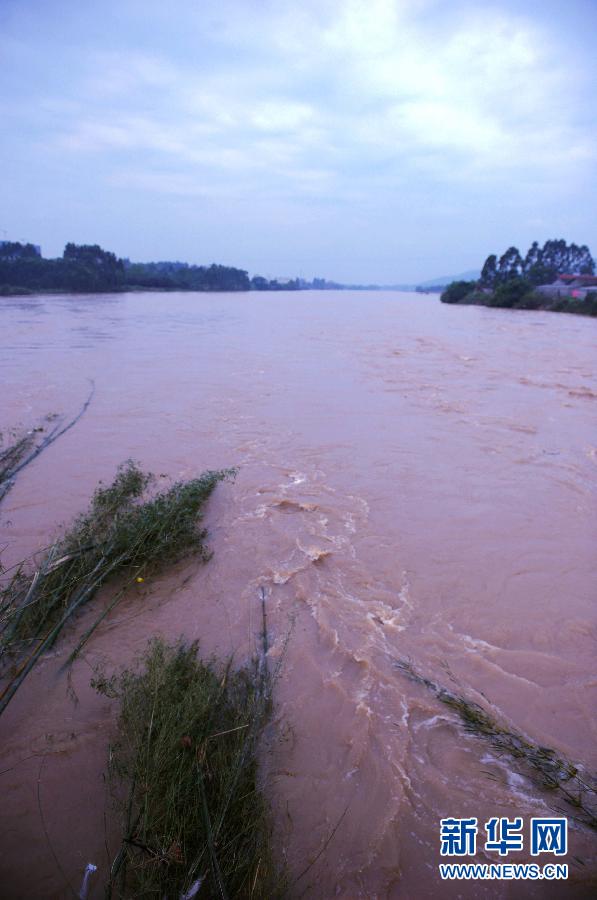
(25, 448)
(10, 457)
(545, 766)
(184, 766)
(118, 536)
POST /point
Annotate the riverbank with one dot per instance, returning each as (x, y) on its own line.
(7, 290)
(463, 294)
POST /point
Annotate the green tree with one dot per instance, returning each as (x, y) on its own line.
(489, 271)
(511, 292)
(509, 266)
(554, 258)
(12, 250)
(581, 261)
(88, 267)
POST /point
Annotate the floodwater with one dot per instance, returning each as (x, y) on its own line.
(416, 481)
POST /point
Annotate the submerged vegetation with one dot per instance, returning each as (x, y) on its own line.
(120, 536)
(545, 766)
(183, 763)
(11, 457)
(26, 448)
(517, 293)
(183, 766)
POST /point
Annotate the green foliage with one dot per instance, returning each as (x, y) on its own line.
(180, 276)
(586, 307)
(17, 250)
(530, 300)
(85, 268)
(30, 449)
(457, 291)
(88, 268)
(11, 456)
(258, 283)
(489, 271)
(510, 293)
(557, 258)
(550, 770)
(477, 297)
(117, 536)
(519, 294)
(185, 757)
(541, 265)
(512, 280)
(509, 267)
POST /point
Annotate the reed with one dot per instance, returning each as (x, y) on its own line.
(10, 458)
(570, 782)
(24, 450)
(120, 536)
(184, 767)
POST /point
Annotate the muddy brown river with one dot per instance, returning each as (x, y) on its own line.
(416, 481)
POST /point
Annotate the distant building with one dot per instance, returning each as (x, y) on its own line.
(576, 286)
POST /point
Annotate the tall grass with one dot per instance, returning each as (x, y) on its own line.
(10, 458)
(184, 767)
(25, 449)
(569, 782)
(120, 536)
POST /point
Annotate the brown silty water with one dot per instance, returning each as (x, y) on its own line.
(415, 481)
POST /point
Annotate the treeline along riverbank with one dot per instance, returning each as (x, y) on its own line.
(87, 268)
(558, 277)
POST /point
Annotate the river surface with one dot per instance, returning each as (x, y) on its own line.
(416, 481)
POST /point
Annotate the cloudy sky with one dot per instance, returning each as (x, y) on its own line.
(383, 140)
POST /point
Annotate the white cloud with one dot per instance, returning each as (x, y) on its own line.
(279, 116)
(122, 74)
(384, 105)
(383, 80)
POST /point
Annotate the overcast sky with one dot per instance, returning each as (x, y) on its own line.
(384, 140)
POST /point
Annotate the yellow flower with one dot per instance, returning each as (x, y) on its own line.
(139, 580)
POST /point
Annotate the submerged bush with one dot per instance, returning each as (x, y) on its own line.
(457, 291)
(118, 536)
(517, 293)
(184, 767)
(533, 300)
(550, 770)
(11, 456)
(511, 292)
(586, 307)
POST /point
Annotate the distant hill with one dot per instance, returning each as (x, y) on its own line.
(471, 275)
